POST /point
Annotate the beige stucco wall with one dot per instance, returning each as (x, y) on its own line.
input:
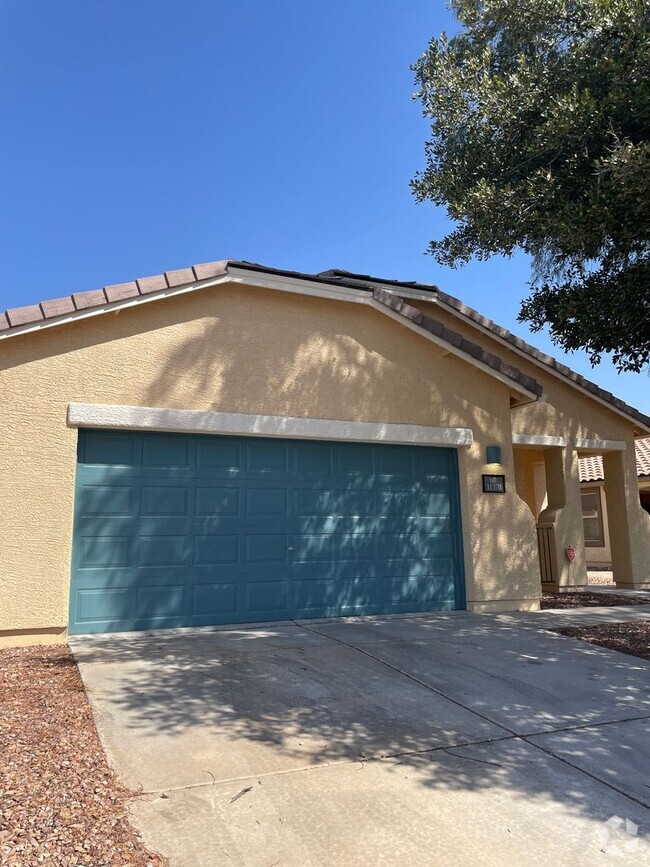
(242, 349)
(237, 349)
(568, 412)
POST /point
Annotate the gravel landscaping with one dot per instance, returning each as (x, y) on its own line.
(631, 638)
(598, 576)
(60, 803)
(585, 599)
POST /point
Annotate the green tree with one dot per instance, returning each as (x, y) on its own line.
(540, 140)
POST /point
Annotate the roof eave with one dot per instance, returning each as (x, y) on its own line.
(545, 362)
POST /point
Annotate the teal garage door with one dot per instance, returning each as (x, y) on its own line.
(177, 530)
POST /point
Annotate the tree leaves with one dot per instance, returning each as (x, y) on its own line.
(540, 122)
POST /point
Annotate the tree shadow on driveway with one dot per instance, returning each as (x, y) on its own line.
(189, 708)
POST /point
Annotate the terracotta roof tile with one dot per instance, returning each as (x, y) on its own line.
(211, 269)
(454, 339)
(591, 468)
(548, 360)
(643, 457)
(363, 282)
(152, 284)
(92, 298)
(121, 291)
(180, 277)
(57, 307)
(24, 315)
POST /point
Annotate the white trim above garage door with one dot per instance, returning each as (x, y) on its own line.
(117, 417)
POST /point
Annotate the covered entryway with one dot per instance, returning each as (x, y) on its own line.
(191, 530)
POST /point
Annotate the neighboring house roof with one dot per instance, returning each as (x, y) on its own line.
(591, 469)
(62, 310)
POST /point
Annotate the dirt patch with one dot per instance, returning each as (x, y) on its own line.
(631, 638)
(59, 801)
(590, 600)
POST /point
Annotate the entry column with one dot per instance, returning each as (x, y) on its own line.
(563, 515)
(629, 524)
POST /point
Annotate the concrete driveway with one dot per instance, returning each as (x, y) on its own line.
(441, 739)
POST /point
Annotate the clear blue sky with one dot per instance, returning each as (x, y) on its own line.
(144, 135)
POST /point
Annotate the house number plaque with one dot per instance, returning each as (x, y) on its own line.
(494, 484)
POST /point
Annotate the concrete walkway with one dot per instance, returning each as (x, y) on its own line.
(435, 740)
(560, 618)
(613, 589)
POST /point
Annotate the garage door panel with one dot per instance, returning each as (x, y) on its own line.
(108, 449)
(354, 459)
(313, 460)
(267, 502)
(104, 551)
(418, 503)
(214, 599)
(334, 503)
(219, 453)
(396, 461)
(337, 525)
(266, 548)
(195, 530)
(328, 598)
(356, 546)
(267, 598)
(419, 589)
(312, 503)
(314, 547)
(162, 550)
(415, 545)
(430, 568)
(166, 451)
(353, 503)
(160, 601)
(104, 604)
(391, 526)
(318, 594)
(218, 501)
(216, 549)
(164, 500)
(436, 465)
(108, 501)
(264, 456)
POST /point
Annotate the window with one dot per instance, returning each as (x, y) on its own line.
(644, 496)
(592, 518)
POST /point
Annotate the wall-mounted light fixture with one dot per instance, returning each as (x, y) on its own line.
(493, 455)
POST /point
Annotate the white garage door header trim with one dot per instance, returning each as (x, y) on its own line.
(117, 417)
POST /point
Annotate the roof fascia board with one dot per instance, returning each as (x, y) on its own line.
(294, 285)
(452, 350)
(405, 293)
(556, 373)
(320, 289)
(112, 307)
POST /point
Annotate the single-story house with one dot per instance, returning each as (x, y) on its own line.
(234, 443)
(594, 503)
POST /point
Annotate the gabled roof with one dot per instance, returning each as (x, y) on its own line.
(591, 468)
(452, 338)
(61, 310)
